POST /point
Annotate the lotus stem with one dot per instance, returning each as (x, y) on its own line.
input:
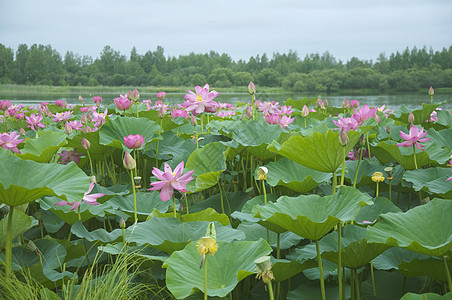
(357, 168)
(339, 258)
(449, 280)
(333, 191)
(414, 153)
(368, 145)
(319, 261)
(134, 197)
(357, 284)
(205, 276)
(9, 244)
(343, 167)
(90, 162)
(253, 100)
(376, 193)
(270, 290)
(373, 277)
(244, 175)
(278, 246)
(135, 158)
(202, 125)
(221, 198)
(186, 203)
(304, 122)
(174, 209)
(265, 192)
(390, 198)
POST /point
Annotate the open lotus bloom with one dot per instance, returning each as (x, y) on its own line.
(171, 181)
(90, 199)
(415, 137)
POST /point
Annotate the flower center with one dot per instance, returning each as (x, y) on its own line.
(199, 98)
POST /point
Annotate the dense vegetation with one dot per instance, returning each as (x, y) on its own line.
(406, 71)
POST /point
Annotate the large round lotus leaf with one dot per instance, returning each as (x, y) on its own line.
(319, 151)
(424, 229)
(284, 269)
(299, 103)
(296, 177)
(310, 290)
(313, 216)
(444, 118)
(432, 180)
(100, 234)
(209, 214)
(114, 131)
(169, 234)
(431, 267)
(96, 150)
(442, 138)
(166, 123)
(421, 114)
(356, 251)
(230, 264)
(393, 257)
(429, 296)
(43, 148)
(232, 201)
(255, 231)
(372, 212)
(21, 222)
(208, 163)
(366, 169)
(23, 181)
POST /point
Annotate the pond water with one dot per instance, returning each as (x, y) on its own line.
(392, 101)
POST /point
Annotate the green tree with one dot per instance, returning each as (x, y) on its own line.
(6, 64)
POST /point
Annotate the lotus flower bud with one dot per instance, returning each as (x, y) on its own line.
(162, 112)
(262, 173)
(67, 128)
(193, 120)
(431, 92)
(251, 88)
(345, 103)
(343, 137)
(325, 102)
(122, 223)
(86, 144)
(80, 99)
(354, 103)
(320, 103)
(305, 111)
(93, 178)
(83, 119)
(128, 161)
(7, 115)
(160, 95)
(133, 96)
(248, 112)
(22, 131)
(411, 117)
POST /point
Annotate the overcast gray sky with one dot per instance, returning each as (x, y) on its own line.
(241, 28)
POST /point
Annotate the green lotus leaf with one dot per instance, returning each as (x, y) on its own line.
(299, 103)
(372, 212)
(208, 164)
(444, 118)
(23, 181)
(393, 257)
(231, 263)
(52, 223)
(97, 151)
(355, 249)
(442, 138)
(113, 131)
(284, 269)
(432, 180)
(313, 216)
(232, 201)
(319, 151)
(43, 148)
(166, 123)
(422, 229)
(429, 296)
(310, 290)
(21, 223)
(366, 169)
(209, 214)
(296, 177)
(169, 234)
(405, 156)
(100, 234)
(431, 267)
(141, 251)
(421, 114)
(255, 231)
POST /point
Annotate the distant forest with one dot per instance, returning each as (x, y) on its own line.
(409, 70)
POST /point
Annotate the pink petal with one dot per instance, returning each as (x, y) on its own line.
(166, 193)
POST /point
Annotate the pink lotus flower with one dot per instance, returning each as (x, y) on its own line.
(160, 95)
(90, 199)
(148, 104)
(415, 137)
(450, 178)
(10, 141)
(178, 113)
(64, 116)
(97, 100)
(4, 104)
(68, 156)
(273, 119)
(269, 108)
(34, 121)
(201, 101)
(99, 118)
(76, 125)
(122, 102)
(347, 123)
(84, 109)
(134, 141)
(354, 103)
(286, 110)
(364, 113)
(171, 180)
(285, 121)
(59, 103)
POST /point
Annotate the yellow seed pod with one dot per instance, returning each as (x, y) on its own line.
(207, 245)
(378, 177)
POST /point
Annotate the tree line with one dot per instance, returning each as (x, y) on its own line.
(408, 70)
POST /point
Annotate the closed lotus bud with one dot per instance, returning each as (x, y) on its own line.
(354, 103)
(343, 137)
(22, 131)
(67, 128)
(411, 117)
(320, 103)
(193, 120)
(128, 161)
(325, 102)
(86, 144)
(83, 119)
(122, 223)
(80, 99)
(345, 103)
(305, 111)
(248, 112)
(431, 92)
(251, 88)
